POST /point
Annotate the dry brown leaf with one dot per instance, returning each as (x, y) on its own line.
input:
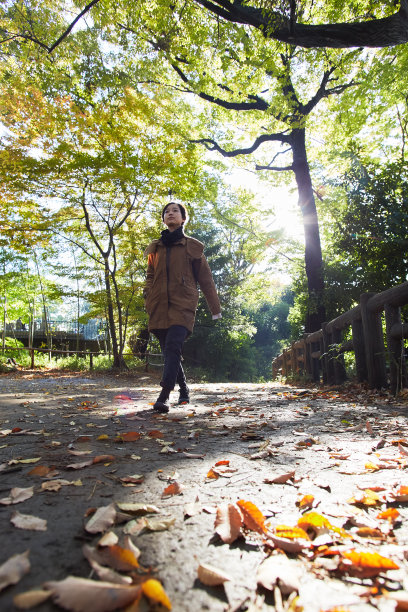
(107, 574)
(279, 571)
(228, 523)
(290, 546)
(280, 478)
(192, 508)
(307, 501)
(211, 576)
(103, 518)
(55, 485)
(368, 498)
(27, 521)
(30, 599)
(17, 495)
(175, 488)
(82, 595)
(159, 524)
(399, 495)
(43, 471)
(137, 508)
(12, 570)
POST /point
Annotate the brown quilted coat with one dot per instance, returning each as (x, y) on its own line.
(171, 294)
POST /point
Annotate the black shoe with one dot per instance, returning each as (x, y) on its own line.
(184, 396)
(162, 402)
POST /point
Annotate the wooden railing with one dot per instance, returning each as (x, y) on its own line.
(321, 353)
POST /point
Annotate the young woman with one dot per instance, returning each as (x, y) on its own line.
(176, 264)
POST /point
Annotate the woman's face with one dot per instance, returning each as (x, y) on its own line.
(172, 217)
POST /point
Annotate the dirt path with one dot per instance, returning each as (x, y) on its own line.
(100, 435)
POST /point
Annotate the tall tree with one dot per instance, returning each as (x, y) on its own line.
(361, 24)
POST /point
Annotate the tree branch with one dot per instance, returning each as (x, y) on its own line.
(211, 145)
(383, 32)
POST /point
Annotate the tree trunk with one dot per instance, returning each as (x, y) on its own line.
(313, 253)
(118, 361)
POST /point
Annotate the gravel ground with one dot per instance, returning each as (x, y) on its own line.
(331, 444)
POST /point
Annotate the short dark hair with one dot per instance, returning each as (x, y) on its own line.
(183, 210)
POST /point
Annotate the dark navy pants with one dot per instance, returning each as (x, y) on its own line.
(171, 344)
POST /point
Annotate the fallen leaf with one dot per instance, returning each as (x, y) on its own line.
(103, 518)
(30, 599)
(118, 557)
(83, 595)
(252, 516)
(27, 521)
(279, 571)
(365, 564)
(43, 470)
(17, 495)
(317, 523)
(108, 539)
(280, 478)
(222, 462)
(291, 533)
(159, 524)
(137, 508)
(212, 475)
(211, 576)
(129, 436)
(307, 501)
(368, 498)
(154, 591)
(175, 488)
(12, 570)
(55, 485)
(228, 522)
(399, 495)
(391, 515)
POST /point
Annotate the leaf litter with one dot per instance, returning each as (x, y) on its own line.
(354, 547)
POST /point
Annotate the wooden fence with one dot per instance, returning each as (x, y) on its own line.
(322, 352)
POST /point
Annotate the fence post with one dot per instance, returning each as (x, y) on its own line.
(32, 358)
(338, 358)
(359, 350)
(374, 344)
(91, 360)
(327, 361)
(395, 346)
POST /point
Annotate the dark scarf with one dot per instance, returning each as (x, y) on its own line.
(169, 238)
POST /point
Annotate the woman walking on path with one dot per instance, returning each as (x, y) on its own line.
(176, 264)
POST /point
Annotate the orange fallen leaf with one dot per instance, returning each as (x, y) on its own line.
(175, 488)
(391, 515)
(253, 517)
(213, 475)
(222, 462)
(365, 564)
(154, 590)
(292, 533)
(306, 501)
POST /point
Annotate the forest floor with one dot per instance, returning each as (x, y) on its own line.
(191, 505)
